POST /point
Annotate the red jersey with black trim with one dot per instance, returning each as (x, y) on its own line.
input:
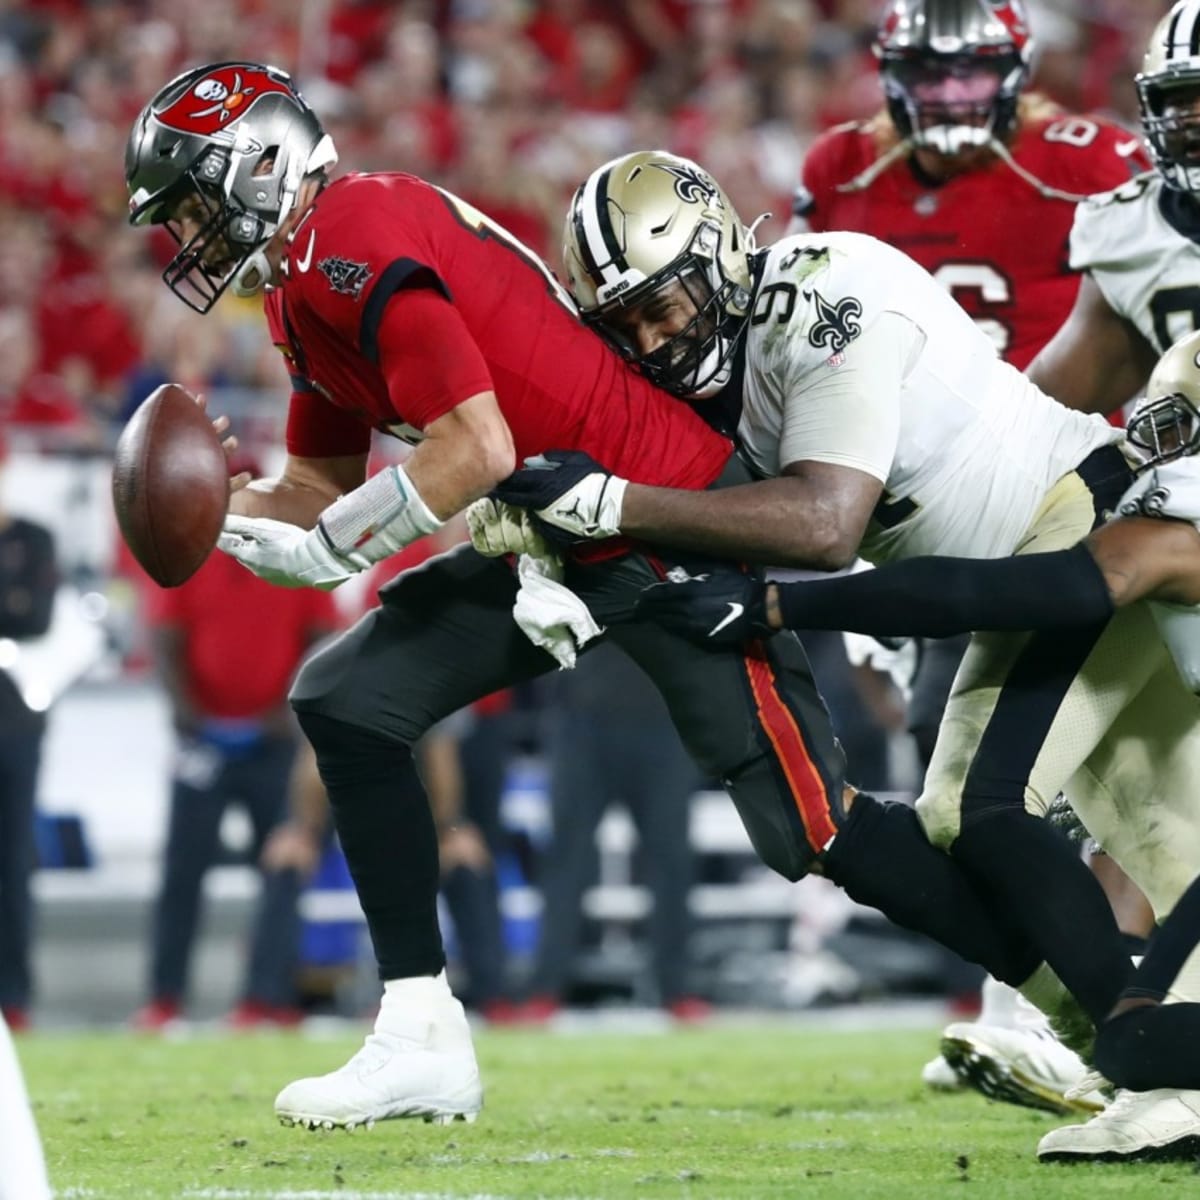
(988, 235)
(398, 301)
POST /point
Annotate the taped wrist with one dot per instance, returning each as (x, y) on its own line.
(938, 597)
(377, 519)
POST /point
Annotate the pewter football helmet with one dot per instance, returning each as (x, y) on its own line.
(649, 220)
(1172, 64)
(1166, 424)
(240, 137)
(926, 43)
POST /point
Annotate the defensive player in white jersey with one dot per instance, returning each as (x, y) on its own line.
(886, 425)
(1138, 245)
(1151, 550)
(976, 178)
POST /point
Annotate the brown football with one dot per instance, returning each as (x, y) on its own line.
(170, 485)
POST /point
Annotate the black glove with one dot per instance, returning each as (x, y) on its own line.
(572, 497)
(720, 605)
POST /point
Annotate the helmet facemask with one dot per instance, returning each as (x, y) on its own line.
(1174, 137)
(949, 103)
(953, 70)
(226, 245)
(1166, 425)
(1165, 428)
(696, 361)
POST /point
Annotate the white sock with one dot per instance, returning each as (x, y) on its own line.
(23, 1175)
(417, 989)
(422, 1008)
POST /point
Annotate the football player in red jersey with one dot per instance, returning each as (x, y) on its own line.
(400, 308)
(977, 180)
(966, 173)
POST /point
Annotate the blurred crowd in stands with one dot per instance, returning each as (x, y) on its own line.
(507, 102)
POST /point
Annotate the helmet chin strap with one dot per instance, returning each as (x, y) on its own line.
(711, 372)
(253, 275)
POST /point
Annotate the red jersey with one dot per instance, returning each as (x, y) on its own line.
(243, 638)
(399, 301)
(989, 235)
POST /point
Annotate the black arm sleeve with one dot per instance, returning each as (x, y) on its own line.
(939, 597)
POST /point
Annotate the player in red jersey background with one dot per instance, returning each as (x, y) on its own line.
(977, 180)
(965, 173)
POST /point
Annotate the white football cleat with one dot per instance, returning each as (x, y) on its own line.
(1163, 1124)
(419, 1062)
(938, 1074)
(1029, 1067)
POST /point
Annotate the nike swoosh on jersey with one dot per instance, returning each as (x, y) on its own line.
(302, 264)
(735, 611)
(1125, 149)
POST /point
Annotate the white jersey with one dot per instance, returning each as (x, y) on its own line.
(1147, 270)
(1172, 490)
(857, 357)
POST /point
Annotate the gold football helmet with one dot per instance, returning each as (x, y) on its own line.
(644, 222)
(1172, 65)
(1166, 424)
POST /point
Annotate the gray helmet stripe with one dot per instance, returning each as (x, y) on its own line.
(595, 230)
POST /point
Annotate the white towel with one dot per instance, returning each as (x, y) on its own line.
(548, 612)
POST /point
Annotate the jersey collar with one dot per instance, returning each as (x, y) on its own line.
(1181, 212)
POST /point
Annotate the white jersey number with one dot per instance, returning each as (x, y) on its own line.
(990, 285)
(1074, 131)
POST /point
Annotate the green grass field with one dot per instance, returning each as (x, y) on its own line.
(772, 1112)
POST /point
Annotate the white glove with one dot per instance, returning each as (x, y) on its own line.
(287, 555)
(497, 528)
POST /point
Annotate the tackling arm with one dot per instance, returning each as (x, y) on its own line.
(1097, 360)
(813, 515)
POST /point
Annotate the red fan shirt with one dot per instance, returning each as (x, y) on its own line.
(243, 638)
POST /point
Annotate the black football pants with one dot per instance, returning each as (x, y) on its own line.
(443, 636)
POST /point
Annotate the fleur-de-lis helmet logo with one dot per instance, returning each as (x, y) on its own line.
(691, 186)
